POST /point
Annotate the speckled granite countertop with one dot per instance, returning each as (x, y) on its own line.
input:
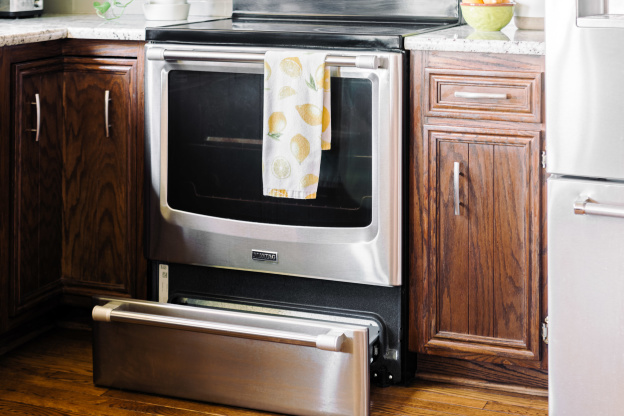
(79, 26)
(465, 39)
(132, 27)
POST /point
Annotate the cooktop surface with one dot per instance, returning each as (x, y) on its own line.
(294, 33)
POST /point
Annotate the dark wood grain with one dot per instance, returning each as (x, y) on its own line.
(37, 216)
(50, 376)
(99, 239)
(504, 276)
(458, 370)
(10, 56)
(512, 205)
(102, 48)
(484, 61)
(417, 257)
(512, 165)
(452, 259)
(5, 172)
(522, 91)
(481, 274)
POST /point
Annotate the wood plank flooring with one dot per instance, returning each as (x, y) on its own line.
(52, 376)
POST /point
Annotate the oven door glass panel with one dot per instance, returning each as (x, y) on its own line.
(215, 152)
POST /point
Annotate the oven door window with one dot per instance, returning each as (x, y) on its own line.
(215, 152)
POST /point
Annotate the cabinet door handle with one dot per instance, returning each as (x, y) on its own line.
(456, 187)
(107, 100)
(37, 104)
(480, 95)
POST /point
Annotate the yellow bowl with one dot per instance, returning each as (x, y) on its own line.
(487, 17)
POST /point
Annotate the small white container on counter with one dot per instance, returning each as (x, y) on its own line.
(529, 14)
(166, 9)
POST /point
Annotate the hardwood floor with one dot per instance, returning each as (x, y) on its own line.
(52, 376)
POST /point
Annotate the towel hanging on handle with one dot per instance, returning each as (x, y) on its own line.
(296, 122)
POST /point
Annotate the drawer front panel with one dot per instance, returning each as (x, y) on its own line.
(287, 365)
(486, 95)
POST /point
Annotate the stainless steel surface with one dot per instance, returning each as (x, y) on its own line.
(37, 105)
(586, 206)
(269, 376)
(480, 95)
(456, 187)
(111, 312)
(584, 92)
(106, 104)
(585, 307)
(368, 62)
(441, 9)
(370, 255)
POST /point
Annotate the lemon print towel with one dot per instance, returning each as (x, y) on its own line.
(296, 122)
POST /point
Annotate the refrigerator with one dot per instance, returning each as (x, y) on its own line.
(585, 160)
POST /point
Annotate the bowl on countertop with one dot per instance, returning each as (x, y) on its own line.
(489, 17)
(166, 11)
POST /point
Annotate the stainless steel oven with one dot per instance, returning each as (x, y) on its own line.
(204, 131)
(291, 306)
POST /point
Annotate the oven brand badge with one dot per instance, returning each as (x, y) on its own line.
(258, 255)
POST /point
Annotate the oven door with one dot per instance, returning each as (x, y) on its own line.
(204, 128)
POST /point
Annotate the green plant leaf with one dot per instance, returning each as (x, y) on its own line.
(311, 83)
(101, 7)
(275, 136)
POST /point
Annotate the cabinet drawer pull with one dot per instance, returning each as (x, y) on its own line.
(329, 341)
(107, 100)
(584, 206)
(456, 187)
(37, 104)
(480, 95)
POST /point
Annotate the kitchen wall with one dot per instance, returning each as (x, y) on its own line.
(198, 7)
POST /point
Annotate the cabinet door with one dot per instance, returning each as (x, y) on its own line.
(37, 169)
(99, 239)
(481, 283)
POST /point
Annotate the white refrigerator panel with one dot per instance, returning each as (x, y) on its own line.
(586, 298)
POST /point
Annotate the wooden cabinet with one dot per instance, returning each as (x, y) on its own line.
(71, 203)
(100, 235)
(477, 228)
(37, 165)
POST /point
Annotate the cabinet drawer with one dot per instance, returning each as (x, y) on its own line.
(487, 95)
(298, 366)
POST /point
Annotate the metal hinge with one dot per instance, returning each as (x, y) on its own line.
(545, 330)
(544, 159)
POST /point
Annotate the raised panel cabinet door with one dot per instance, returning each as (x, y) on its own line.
(37, 184)
(99, 240)
(483, 243)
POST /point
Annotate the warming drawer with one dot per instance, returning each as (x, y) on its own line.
(276, 363)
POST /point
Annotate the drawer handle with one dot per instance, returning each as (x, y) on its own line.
(583, 206)
(456, 187)
(480, 95)
(330, 341)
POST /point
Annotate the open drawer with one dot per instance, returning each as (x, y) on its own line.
(281, 364)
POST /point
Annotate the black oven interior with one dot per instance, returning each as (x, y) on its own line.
(215, 152)
(190, 285)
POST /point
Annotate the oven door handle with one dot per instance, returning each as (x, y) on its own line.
(160, 54)
(330, 341)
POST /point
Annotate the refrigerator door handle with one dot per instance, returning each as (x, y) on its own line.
(584, 206)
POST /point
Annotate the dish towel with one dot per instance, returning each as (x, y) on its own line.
(296, 122)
